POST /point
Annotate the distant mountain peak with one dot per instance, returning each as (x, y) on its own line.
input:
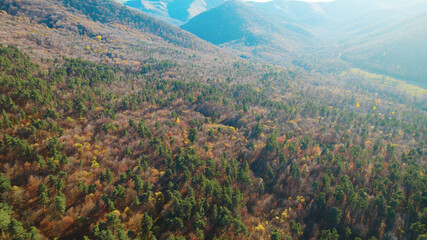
(173, 11)
(240, 23)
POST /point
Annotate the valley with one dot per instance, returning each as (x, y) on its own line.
(369, 33)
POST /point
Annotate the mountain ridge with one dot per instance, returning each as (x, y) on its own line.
(240, 25)
(176, 12)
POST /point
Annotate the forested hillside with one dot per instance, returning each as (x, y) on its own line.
(240, 22)
(403, 55)
(112, 129)
(241, 26)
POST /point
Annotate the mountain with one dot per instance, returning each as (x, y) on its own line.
(383, 37)
(232, 21)
(173, 11)
(109, 11)
(305, 13)
(398, 50)
(342, 29)
(241, 25)
(379, 36)
(361, 16)
(156, 9)
(341, 17)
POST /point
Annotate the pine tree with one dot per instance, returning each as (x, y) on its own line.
(60, 203)
(276, 235)
(192, 135)
(146, 224)
(109, 176)
(43, 193)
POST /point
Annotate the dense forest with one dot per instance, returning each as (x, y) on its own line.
(111, 129)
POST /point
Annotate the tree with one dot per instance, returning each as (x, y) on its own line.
(81, 108)
(315, 185)
(381, 203)
(146, 224)
(199, 223)
(121, 234)
(6, 119)
(269, 172)
(16, 229)
(108, 202)
(359, 199)
(261, 188)
(339, 193)
(329, 235)
(296, 228)
(271, 143)
(139, 183)
(4, 216)
(295, 171)
(192, 135)
(336, 215)
(243, 173)
(41, 161)
(321, 199)
(347, 233)
(305, 142)
(109, 175)
(282, 158)
(32, 234)
(43, 193)
(113, 220)
(276, 235)
(119, 192)
(257, 130)
(128, 152)
(60, 203)
(100, 232)
(4, 183)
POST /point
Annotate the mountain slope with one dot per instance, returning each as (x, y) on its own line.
(309, 14)
(109, 12)
(240, 25)
(230, 22)
(156, 8)
(278, 28)
(174, 11)
(398, 50)
(380, 36)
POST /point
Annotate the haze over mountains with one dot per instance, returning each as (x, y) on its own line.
(379, 36)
